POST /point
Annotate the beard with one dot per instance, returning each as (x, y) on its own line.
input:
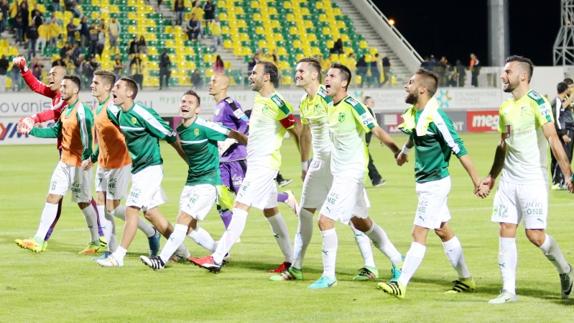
(411, 98)
(509, 88)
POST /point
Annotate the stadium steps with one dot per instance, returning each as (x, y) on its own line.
(363, 27)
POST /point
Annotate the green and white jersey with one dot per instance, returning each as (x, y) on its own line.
(349, 120)
(270, 117)
(142, 128)
(522, 120)
(199, 141)
(434, 148)
(314, 113)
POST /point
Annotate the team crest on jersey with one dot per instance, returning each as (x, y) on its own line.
(133, 120)
(341, 117)
(196, 131)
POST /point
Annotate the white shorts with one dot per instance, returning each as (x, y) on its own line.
(259, 188)
(146, 192)
(513, 202)
(197, 200)
(75, 179)
(317, 183)
(113, 181)
(347, 198)
(432, 209)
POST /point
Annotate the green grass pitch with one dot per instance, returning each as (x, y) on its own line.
(60, 285)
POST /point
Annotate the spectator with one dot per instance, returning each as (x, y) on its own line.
(362, 69)
(56, 5)
(337, 47)
(193, 28)
(35, 12)
(375, 73)
(386, 70)
(24, 10)
(196, 79)
(114, 32)
(4, 9)
(460, 72)
(87, 70)
(441, 70)
(164, 69)
(71, 29)
(141, 45)
(452, 76)
(37, 68)
(118, 67)
(564, 123)
(133, 47)
(179, 8)
(33, 38)
(84, 31)
(101, 40)
(208, 11)
(3, 71)
(374, 175)
(17, 22)
(72, 6)
(93, 48)
(136, 70)
(474, 67)
(197, 10)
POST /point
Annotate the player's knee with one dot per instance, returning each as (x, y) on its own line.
(83, 205)
(536, 237)
(325, 223)
(53, 198)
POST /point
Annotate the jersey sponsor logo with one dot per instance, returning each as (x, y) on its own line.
(366, 119)
(482, 121)
(196, 132)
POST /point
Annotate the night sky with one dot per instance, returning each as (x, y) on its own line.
(455, 28)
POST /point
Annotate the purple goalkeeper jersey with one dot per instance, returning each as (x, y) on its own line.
(228, 113)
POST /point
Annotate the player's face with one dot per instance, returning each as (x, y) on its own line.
(256, 79)
(510, 77)
(370, 103)
(99, 88)
(215, 85)
(412, 90)
(68, 90)
(334, 81)
(120, 92)
(55, 76)
(303, 74)
(188, 106)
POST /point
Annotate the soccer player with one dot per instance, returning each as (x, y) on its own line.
(347, 199)
(52, 91)
(114, 165)
(526, 127)
(142, 128)
(434, 137)
(317, 173)
(199, 139)
(74, 127)
(270, 118)
(229, 114)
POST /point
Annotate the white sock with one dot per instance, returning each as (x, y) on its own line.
(507, 263)
(145, 227)
(202, 238)
(364, 244)
(281, 234)
(120, 253)
(552, 252)
(173, 242)
(46, 219)
(92, 222)
(303, 237)
(110, 231)
(383, 243)
(230, 236)
(453, 251)
(330, 244)
(412, 262)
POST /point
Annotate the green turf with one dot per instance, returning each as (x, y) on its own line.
(60, 285)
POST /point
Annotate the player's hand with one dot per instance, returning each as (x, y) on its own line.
(569, 186)
(401, 159)
(566, 139)
(25, 125)
(87, 164)
(484, 187)
(20, 61)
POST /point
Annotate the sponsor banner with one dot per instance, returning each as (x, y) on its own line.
(482, 121)
(9, 135)
(166, 103)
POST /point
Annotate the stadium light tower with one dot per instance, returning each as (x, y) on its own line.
(498, 31)
(563, 50)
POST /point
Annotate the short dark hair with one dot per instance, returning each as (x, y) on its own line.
(74, 79)
(193, 93)
(430, 80)
(345, 71)
(132, 85)
(315, 64)
(523, 60)
(561, 87)
(271, 69)
(107, 76)
(568, 81)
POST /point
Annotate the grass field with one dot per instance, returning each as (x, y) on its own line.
(60, 285)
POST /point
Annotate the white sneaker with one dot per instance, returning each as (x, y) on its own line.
(110, 261)
(504, 297)
(292, 201)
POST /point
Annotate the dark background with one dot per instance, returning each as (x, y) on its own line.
(456, 28)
